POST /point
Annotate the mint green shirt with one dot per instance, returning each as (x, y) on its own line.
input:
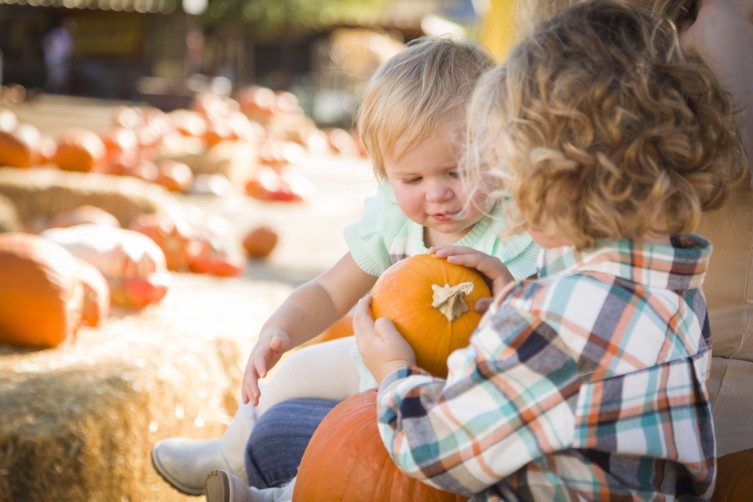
(384, 235)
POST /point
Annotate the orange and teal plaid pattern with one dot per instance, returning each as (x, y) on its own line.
(588, 383)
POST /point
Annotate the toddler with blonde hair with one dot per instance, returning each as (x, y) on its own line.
(411, 122)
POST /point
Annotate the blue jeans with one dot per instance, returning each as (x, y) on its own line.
(279, 438)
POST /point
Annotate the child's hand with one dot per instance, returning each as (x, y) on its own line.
(382, 347)
(493, 268)
(265, 354)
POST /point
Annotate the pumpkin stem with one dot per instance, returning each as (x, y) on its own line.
(450, 300)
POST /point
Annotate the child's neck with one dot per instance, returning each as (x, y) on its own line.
(657, 239)
(658, 236)
(434, 238)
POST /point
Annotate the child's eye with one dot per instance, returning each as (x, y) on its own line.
(455, 174)
(413, 181)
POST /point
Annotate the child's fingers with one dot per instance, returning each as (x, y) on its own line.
(482, 304)
(362, 322)
(469, 260)
(278, 343)
(362, 314)
(385, 329)
(250, 389)
(445, 251)
(248, 397)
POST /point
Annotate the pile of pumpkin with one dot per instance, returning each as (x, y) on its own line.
(148, 144)
(196, 149)
(71, 273)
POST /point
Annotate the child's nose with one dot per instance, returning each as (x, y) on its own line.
(438, 192)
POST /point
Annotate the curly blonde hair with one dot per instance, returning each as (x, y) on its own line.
(600, 127)
(416, 92)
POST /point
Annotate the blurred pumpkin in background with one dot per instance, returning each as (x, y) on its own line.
(41, 294)
(173, 175)
(260, 241)
(132, 263)
(20, 146)
(80, 150)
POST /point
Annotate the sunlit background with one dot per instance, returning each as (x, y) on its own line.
(162, 52)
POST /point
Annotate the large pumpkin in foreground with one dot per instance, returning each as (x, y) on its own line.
(41, 294)
(346, 461)
(431, 302)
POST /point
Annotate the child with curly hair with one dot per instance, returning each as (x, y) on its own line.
(720, 33)
(590, 381)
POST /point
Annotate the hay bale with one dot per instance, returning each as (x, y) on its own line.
(78, 422)
(9, 220)
(41, 193)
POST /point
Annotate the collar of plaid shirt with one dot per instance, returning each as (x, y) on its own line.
(680, 265)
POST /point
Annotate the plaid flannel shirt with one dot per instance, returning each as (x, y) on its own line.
(587, 383)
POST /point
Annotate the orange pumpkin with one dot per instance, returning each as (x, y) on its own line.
(217, 131)
(346, 460)
(173, 175)
(258, 103)
(431, 302)
(80, 150)
(120, 141)
(217, 259)
(271, 186)
(260, 241)
(174, 238)
(41, 295)
(20, 147)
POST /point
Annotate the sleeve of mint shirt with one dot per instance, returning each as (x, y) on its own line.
(518, 252)
(368, 238)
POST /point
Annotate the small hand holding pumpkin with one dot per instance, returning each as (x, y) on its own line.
(491, 267)
(270, 347)
(381, 345)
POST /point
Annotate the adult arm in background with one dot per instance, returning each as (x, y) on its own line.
(722, 36)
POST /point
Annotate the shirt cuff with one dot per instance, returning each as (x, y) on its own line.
(400, 374)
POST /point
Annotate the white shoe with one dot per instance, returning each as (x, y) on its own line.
(185, 463)
(223, 486)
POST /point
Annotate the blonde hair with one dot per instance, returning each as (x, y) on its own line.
(600, 127)
(415, 92)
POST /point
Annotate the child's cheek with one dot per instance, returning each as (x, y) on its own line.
(483, 201)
